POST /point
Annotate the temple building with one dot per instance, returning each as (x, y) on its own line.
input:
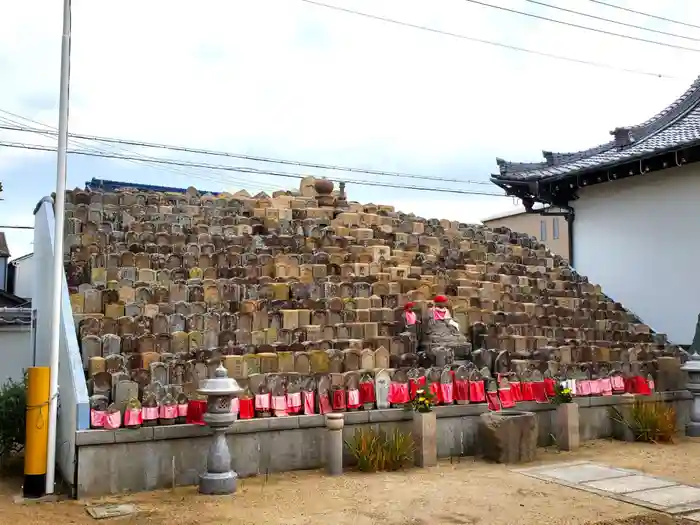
(632, 210)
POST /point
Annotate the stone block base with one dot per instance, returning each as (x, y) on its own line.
(508, 436)
(214, 483)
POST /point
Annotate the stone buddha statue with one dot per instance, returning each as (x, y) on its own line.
(440, 332)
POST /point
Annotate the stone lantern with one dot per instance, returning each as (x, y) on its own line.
(692, 366)
(219, 478)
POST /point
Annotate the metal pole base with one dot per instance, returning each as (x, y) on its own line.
(214, 483)
(692, 429)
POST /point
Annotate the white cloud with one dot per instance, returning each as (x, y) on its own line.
(284, 78)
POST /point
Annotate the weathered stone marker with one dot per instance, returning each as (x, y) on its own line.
(508, 436)
(334, 443)
(219, 477)
(425, 438)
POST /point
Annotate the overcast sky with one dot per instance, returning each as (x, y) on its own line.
(286, 79)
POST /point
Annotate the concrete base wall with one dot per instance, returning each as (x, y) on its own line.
(111, 462)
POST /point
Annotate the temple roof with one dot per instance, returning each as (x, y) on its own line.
(676, 127)
(114, 185)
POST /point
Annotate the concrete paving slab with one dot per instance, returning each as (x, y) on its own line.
(629, 484)
(695, 516)
(100, 512)
(614, 482)
(580, 473)
(550, 466)
(677, 495)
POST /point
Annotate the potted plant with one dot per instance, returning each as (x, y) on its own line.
(567, 420)
(424, 428)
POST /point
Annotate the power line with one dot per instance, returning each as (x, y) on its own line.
(603, 19)
(577, 26)
(197, 151)
(645, 14)
(493, 43)
(241, 169)
(171, 169)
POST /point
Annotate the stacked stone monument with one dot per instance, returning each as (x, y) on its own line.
(308, 297)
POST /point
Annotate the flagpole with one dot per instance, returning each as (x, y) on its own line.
(59, 212)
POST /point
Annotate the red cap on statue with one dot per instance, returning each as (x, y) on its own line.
(409, 306)
(440, 299)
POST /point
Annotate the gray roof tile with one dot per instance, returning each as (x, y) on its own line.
(675, 127)
(15, 316)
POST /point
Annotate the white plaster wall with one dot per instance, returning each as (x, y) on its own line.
(639, 239)
(24, 277)
(3, 273)
(73, 408)
(15, 352)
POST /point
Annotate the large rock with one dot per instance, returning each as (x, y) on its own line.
(508, 436)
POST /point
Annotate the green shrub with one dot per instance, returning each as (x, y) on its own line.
(375, 450)
(650, 422)
(13, 414)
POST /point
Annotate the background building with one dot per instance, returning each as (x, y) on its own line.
(20, 276)
(551, 230)
(634, 205)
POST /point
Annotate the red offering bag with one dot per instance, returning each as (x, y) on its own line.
(324, 404)
(618, 384)
(641, 386)
(246, 408)
(435, 391)
(97, 418)
(196, 408)
(493, 401)
(113, 420)
(339, 403)
(294, 402)
(367, 393)
(461, 390)
(538, 392)
(477, 392)
(516, 390)
(528, 394)
(447, 393)
(506, 398)
(354, 398)
(549, 387)
(309, 399)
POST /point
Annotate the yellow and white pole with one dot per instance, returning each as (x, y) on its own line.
(58, 270)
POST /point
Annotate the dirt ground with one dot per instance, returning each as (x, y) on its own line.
(465, 492)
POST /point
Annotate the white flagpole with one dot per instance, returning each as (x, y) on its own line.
(59, 212)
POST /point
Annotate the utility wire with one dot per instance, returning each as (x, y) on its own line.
(645, 14)
(577, 26)
(171, 169)
(603, 19)
(242, 156)
(494, 43)
(241, 169)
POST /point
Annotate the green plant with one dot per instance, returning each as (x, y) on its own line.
(650, 422)
(398, 450)
(375, 450)
(423, 401)
(562, 394)
(13, 415)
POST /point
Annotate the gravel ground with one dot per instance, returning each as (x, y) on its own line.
(466, 492)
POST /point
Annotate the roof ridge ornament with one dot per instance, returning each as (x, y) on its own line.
(623, 137)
